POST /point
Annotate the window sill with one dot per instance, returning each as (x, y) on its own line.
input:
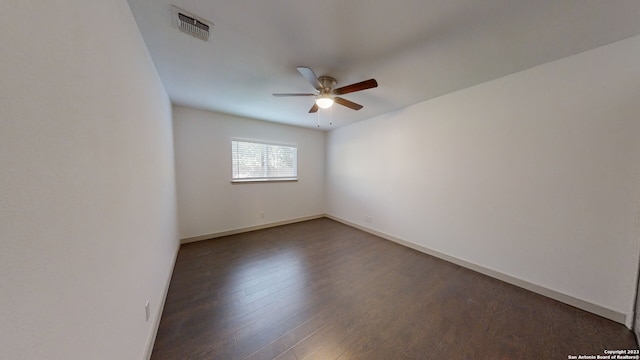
(252, 181)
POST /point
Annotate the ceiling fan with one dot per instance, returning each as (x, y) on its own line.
(327, 93)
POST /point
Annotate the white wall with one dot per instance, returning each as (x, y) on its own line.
(88, 225)
(535, 175)
(207, 201)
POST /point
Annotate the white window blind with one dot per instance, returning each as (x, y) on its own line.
(262, 161)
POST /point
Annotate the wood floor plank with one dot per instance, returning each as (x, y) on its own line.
(287, 341)
(323, 290)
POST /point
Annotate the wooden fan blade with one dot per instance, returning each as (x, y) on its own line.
(347, 103)
(313, 109)
(293, 94)
(363, 85)
(311, 77)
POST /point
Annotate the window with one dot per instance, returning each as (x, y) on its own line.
(254, 161)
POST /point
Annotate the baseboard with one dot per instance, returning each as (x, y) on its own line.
(156, 323)
(567, 299)
(570, 300)
(250, 228)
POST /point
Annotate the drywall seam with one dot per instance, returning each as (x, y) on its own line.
(569, 300)
(156, 323)
(247, 229)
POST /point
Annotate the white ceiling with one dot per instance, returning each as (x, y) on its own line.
(415, 49)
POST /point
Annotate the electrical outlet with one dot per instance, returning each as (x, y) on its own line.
(367, 219)
(147, 311)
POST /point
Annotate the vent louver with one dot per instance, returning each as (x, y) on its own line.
(191, 24)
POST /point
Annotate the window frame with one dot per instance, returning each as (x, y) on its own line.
(264, 179)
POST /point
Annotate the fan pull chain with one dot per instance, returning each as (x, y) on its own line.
(318, 112)
(331, 115)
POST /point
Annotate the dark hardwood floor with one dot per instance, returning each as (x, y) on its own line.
(322, 290)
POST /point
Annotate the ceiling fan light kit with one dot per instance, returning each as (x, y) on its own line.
(326, 90)
(324, 101)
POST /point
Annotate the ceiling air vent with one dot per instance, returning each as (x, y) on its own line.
(191, 24)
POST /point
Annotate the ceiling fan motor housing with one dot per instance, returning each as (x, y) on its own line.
(328, 84)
